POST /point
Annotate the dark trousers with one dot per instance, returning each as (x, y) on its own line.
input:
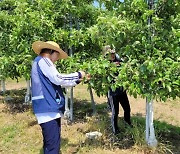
(114, 100)
(51, 132)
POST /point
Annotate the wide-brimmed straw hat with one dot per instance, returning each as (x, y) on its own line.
(39, 45)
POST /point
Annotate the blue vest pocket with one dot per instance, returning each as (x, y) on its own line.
(60, 101)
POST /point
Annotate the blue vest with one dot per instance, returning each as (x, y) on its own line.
(46, 96)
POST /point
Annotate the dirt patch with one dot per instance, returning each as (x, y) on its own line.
(13, 84)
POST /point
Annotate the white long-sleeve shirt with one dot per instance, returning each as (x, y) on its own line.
(65, 80)
(50, 71)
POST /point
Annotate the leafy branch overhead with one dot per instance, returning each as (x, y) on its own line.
(152, 53)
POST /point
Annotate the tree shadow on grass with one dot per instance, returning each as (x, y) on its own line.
(14, 101)
(83, 109)
(101, 122)
(168, 136)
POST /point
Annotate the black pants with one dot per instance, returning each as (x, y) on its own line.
(114, 100)
(51, 136)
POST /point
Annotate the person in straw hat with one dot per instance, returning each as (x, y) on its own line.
(47, 96)
(117, 96)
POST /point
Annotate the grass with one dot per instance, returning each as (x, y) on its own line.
(20, 133)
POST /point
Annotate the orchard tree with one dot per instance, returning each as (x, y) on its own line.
(23, 22)
(150, 49)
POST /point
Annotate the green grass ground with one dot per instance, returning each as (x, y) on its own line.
(20, 133)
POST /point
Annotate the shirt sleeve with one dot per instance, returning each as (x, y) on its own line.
(118, 58)
(50, 71)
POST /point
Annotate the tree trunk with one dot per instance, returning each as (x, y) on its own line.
(71, 104)
(27, 98)
(150, 134)
(66, 100)
(67, 111)
(147, 120)
(3, 87)
(92, 101)
(71, 54)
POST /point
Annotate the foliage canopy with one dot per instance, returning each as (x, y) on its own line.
(151, 51)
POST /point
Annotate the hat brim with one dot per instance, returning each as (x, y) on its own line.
(39, 45)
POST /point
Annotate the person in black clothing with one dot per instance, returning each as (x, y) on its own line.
(117, 96)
